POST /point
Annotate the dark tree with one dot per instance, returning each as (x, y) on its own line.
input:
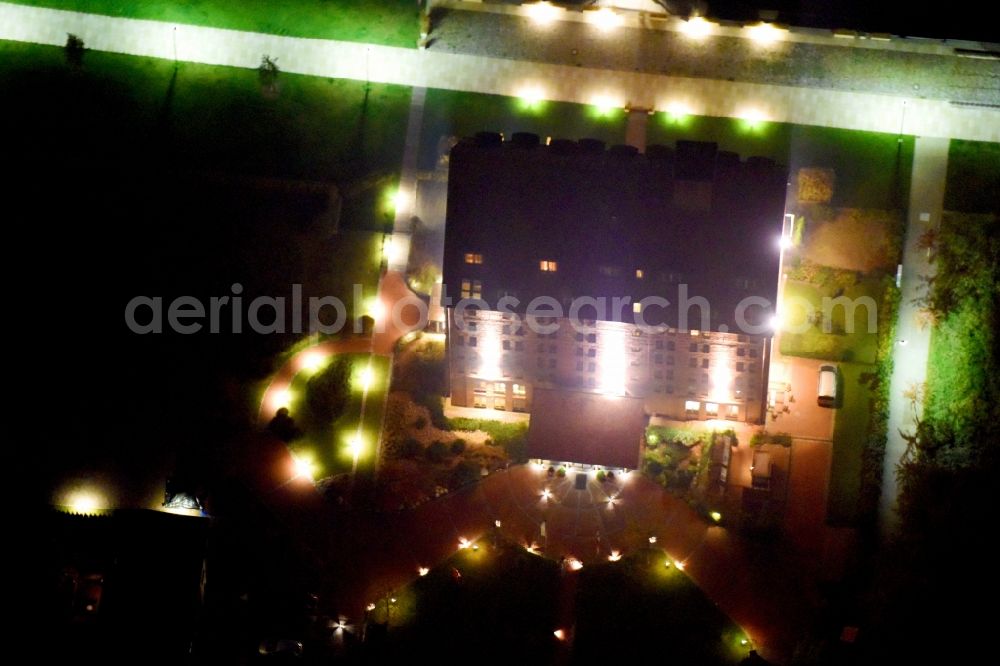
(327, 391)
(74, 50)
(268, 73)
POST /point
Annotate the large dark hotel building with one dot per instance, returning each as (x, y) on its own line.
(575, 273)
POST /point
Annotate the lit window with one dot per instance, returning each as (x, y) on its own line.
(636, 308)
(520, 389)
(548, 266)
(694, 332)
(639, 274)
(691, 406)
(473, 258)
(466, 288)
(711, 409)
(499, 387)
(733, 411)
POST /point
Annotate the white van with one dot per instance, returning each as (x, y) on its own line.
(826, 394)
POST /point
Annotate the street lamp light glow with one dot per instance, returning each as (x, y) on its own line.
(312, 361)
(614, 556)
(752, 117)
(716, 516)
(604, 104)
(546, 494)
(531, 96)
(86, 502)
(764, 33)
(605, 19)
(423, 571)
(365, 378)
(463, 543)
(697, 27)
(542, 13)
(282, 398)
(303, 467)
(784, 242)
(680, 565)
(355, 445)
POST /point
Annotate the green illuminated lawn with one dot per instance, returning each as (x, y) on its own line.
(873, 169)
(389, 22)
(850, 431)
(636, 607)
(206, 119)
(859, 346)
(460, 114)
(328, 445)
(513, 601)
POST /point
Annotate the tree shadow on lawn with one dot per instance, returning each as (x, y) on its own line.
(500, 600)
(637, 607)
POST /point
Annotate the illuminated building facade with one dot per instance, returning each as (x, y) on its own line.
(611, 272)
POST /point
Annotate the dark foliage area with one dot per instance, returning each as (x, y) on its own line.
(327, 392)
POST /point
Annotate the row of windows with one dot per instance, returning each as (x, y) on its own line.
(591, 338)
(472, 289)
(501, 387)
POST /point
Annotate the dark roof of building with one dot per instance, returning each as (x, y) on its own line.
(692, 215)
(590, 428)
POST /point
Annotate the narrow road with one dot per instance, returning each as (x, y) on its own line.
(930, 166)
(709, 95)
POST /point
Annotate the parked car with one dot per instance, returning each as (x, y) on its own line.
(282, 647)
(760, 470)
(826, 394)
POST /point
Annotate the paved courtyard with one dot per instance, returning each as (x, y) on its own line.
(770, 593)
